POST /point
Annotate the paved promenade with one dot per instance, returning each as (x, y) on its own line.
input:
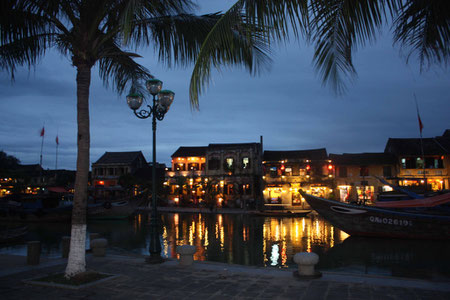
(203, 280)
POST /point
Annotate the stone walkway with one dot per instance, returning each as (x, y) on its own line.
(205, 280)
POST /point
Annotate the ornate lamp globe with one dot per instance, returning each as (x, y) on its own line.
(134, 101)
(165, 99)
(154, 86)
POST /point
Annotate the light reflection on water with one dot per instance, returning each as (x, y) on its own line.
(242, 239)
(260, 241)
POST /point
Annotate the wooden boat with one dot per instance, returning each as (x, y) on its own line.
(433, 201)
(360, 220)
(269, 213)
(111, 210)
(407, 199)
(8, 235)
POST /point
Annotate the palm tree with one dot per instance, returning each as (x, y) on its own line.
(93, 33)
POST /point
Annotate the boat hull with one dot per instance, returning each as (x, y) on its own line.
(111, 211)
(369, 221)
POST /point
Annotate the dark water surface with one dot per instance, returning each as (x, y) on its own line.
(260, 241)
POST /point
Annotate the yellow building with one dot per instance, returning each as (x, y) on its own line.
(356, 175)
(285, 173)
(186, 179)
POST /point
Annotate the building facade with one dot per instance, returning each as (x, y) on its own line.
(226, 175)
(186, 177)
(356, 175)
(423, 163)
(285, 173)
(109, 168)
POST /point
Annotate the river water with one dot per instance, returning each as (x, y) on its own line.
(260, 241)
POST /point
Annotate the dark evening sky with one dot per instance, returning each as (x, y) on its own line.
(287, 105)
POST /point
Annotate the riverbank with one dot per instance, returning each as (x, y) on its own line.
(206, 280)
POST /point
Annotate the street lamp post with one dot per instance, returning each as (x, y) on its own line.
(162, 99)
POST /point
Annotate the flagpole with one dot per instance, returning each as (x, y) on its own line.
(56, 161)
(42, 144)
(421, 143)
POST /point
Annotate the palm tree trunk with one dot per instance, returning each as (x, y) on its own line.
(77, 255)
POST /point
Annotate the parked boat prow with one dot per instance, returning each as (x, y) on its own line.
(361, 220)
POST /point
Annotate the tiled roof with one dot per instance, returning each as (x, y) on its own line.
(431, 146)
(362, 159)
(190, 151)
(313, 154)
(119, 157)
(228, 146)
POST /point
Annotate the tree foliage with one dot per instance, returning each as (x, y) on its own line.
(8, 162)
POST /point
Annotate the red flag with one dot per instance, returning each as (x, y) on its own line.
(418, 116)
(57, 140)
(420, 123)
(42, 131)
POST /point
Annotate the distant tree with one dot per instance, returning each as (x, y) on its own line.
(65, 178)
(128, 182)
(8, 163)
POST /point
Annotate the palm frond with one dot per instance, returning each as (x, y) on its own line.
(176, 39)
(337, 28)
(231, 41)
(24, 35)
(424, 27)
(119, 68)
(243, 35)
(278, 17)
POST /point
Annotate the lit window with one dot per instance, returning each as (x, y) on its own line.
(245, 163)
(229, 164)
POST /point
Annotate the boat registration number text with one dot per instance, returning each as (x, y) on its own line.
(390, 221)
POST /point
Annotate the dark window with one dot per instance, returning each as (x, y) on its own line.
(342, 171)
(387, 171)
(245, 163)
(214, 164)
(363, 171)
(434, 163)
(110, 171)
